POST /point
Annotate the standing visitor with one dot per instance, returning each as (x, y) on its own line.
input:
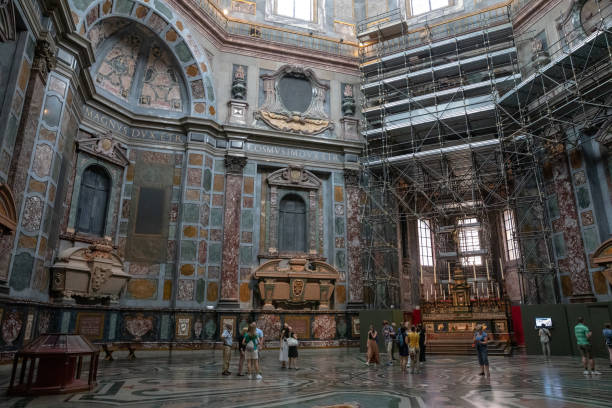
(422, 342)
(388, 334)
(242, 350)
(544, 334)
(283, 354)
(373, 356)
(261, 345)
(413, 348)
(403, 348)
(480, 341)
(394, 340)
(292, 342)
(583, 339)
(251, 341)
(607, 334)
(227, 348)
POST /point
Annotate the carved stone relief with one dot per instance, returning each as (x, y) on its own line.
(276, 113)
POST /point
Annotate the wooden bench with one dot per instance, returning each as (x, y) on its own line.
(111, 347)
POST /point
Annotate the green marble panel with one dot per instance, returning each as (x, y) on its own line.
(591, 239)
(246, 220)
(339, 223)
(584, 199)
(22, 271)
(188, 250)
(220, 166)
(123, 6)
(200, 292)
(216, 217)
(191, 213)
(246, 255)
(559, 245)
(82, 4)
(553, 206)
(214, 252)
(183, 52)
(207, 180)
(340, 259)
(162, 8)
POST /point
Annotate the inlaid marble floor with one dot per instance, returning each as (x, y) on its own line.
(332, 376)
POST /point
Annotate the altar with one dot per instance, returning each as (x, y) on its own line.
(452, 312)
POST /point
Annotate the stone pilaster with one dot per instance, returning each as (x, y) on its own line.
(231, 232)
(575, 262)
(353, 234)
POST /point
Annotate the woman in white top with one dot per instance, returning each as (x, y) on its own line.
(283, 354)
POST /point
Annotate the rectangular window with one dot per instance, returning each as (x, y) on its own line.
(425, 243)
(298, 9)
(512, 246)
(469, 240)
(425, 6)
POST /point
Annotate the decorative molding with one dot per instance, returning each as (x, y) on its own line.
(312, 121)
(44, 56)
(294, 177)
(8, 213)
(106, 147)
(8, 25)
(235, 164)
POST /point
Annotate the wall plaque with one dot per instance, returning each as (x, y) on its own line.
(300, 325)
(90, 325)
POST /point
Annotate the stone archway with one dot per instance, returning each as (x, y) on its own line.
(171, 30)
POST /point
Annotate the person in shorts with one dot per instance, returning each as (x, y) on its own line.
(251, 340)
(481, 340)
(583, 340)
(413, 349)
(544, 334)
(227, 348)
(242, 350)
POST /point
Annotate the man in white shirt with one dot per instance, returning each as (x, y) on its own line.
(544, 334)
(227, 348)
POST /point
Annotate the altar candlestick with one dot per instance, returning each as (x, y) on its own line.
(421, 274)
(501, 268)
(427, 296)
(474, 269)
(499, 297)
(487, 264)
(449, 272)
(435, 277)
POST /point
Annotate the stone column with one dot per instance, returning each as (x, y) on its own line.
(312, 222)
(231, 231)
(575, 261)
(353, 236)
(44, 61)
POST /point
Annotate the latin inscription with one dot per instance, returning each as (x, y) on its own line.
(134, 133)
(293, 153)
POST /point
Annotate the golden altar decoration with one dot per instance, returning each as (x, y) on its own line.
(451, 320)
(296, 283)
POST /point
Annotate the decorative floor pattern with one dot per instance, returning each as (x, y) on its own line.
(330, 377)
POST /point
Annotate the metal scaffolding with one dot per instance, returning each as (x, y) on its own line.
(456, 129)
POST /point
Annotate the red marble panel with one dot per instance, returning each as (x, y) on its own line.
(354, 244)
(231, 238)
(576, 261)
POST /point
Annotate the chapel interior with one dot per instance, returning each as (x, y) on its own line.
(170, 167)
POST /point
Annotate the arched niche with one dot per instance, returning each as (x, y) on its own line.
(170, 29)
(137, 70)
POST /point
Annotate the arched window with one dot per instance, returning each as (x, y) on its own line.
(93, 201)
(292, 224)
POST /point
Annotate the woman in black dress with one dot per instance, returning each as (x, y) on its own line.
(422, 339)
(293, 350)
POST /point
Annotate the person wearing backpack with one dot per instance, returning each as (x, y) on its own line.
(403, 348)
(251, 340)
(544, 334)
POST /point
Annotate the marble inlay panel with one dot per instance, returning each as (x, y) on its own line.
(231, 237)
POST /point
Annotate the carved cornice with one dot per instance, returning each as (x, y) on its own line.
(294, 177)
(235, 164)
(105, 147)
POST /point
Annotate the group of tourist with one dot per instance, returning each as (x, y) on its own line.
(583, 341)
(251, 342)
(409, 340)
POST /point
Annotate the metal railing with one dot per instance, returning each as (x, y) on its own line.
(280, 35)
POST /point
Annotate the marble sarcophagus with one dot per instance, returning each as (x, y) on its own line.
(92, 273)
(296, 283)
